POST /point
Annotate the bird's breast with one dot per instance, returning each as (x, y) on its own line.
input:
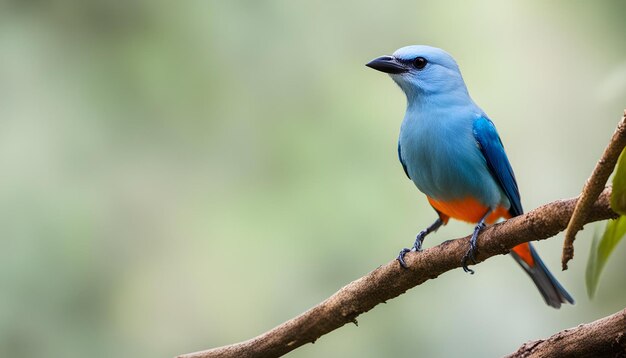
(444, 161)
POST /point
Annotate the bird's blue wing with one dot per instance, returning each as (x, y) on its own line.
(402, 161)
(497, 161)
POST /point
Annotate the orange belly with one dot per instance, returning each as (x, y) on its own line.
(470, 210)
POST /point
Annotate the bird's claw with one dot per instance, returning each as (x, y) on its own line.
(469, 256)
(400, 257)
(417, 247)
(467, 269)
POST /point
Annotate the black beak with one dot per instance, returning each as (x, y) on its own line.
(387, 64)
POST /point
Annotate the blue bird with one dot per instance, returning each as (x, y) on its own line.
(451, 150)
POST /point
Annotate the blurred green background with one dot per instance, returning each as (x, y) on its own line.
(182, 175)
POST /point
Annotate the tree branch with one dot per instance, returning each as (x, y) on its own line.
(605, 337)
(390, 280)
(593, 187)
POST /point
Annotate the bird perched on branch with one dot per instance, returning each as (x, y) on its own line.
(451, 150)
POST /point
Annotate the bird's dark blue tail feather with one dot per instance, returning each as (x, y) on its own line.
(553, 293)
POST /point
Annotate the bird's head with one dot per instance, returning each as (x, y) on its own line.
(421, 71)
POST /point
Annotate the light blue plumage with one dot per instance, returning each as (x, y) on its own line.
(437, 142)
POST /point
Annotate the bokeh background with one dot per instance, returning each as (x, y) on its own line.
(182, 175)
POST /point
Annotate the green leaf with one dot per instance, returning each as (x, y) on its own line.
(601, 250)
(618, 196)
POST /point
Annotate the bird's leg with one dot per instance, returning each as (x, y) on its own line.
(417, 246)
(470, 255)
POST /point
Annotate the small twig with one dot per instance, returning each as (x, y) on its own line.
(592, 189)
(390, 280)
(605, 337)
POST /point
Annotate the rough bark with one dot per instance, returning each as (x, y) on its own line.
(391, 280)
(593, 187)
(605, 337)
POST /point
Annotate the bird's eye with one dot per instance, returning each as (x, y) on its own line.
(420, 63)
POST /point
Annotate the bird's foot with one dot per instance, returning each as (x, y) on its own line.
(400, 257)
(470, 255)
(417, 246)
